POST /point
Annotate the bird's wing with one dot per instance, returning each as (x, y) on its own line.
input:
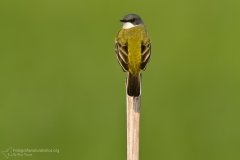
(122, 55)
(146, 53)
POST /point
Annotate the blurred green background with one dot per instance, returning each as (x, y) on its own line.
(61, 86)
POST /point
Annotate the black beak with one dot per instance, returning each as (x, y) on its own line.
(122, 20)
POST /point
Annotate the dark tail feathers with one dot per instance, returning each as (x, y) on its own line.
(133, 85)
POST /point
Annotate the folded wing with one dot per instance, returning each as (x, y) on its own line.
(122, 55)
(146, 53)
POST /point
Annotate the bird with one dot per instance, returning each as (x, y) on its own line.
(133, 51)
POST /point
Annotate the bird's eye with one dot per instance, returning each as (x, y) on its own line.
(132, 20)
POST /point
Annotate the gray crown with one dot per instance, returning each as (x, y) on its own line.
(133, 18)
